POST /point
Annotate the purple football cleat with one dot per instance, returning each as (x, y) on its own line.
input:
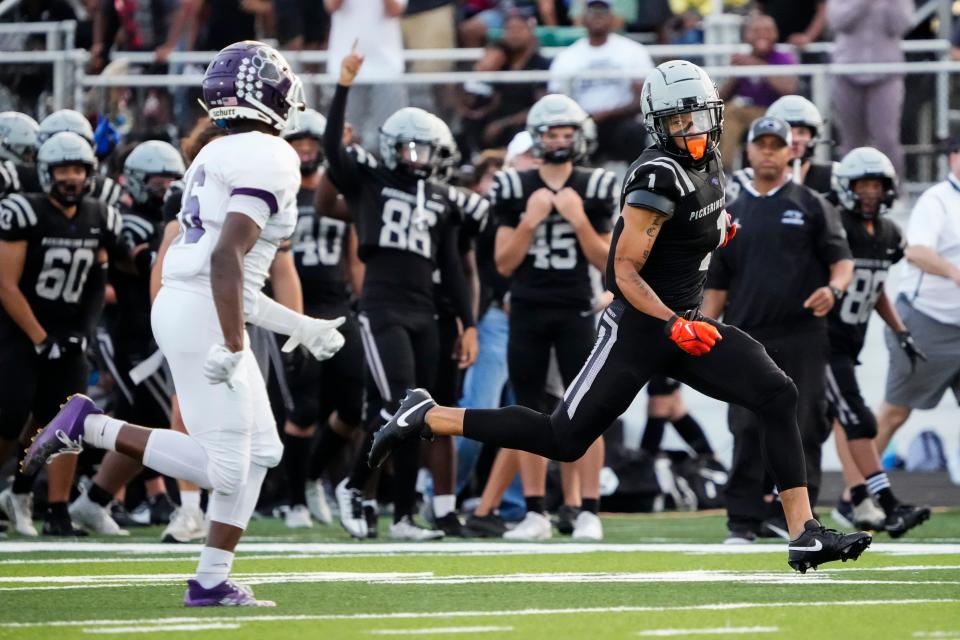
(63, 434)
(225, 594)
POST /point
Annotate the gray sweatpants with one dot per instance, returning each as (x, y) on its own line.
(869, 115)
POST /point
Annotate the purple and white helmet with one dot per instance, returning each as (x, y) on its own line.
(250, 80)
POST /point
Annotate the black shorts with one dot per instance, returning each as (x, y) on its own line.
(662, 386)
(845, 403)
(319, 388)
(306, 18)
(401, 349)
(534, 330)
(146, 403)
(35, 386)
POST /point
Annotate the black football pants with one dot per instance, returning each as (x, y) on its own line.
(631, 347)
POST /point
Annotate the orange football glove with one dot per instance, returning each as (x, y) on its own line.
(731, 230)
(693, 336)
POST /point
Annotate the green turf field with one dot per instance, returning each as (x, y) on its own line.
(654, 576)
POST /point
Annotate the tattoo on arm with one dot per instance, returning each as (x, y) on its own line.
(653, 229)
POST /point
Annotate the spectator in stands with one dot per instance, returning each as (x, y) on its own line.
(612, 102)
(499, 110)
(373, 26)
(211, 25)
(431, 24)
(625, 12)
(929, 303)
(798, 22)
(748, 98)
(493, 15)
(867, 107)
(301, 24)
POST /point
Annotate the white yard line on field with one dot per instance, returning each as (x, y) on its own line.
(459, 548)
(162, 629)
(436, 630)
(712, 631)
(418, 615)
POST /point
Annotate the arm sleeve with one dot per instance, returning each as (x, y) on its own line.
(897, 241)
(831, 241)
(9, 178)
(93, 297)
(18, 221)
(475, 211)
(451, 275)
(505, 207)
(341, 167)
(656, 185)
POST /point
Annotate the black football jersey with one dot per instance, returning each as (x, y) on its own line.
(476, 211)
(60, 253)
(128, 321)
(319, 247)
(555, 271)
(14, 179)
(400, 224)
(677, 266)
(873, 255)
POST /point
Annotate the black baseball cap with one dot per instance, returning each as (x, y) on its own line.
(769, 126)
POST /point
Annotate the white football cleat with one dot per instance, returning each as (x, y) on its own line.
(534, 526)
(587, 526)
(350, 503)
(19, 510)
(96, 519)
(406, 529)
(317, 502)
(298, 517)
(186, 525)
(868, 515)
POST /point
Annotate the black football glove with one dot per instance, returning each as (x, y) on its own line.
(910, 348)
(55, 348)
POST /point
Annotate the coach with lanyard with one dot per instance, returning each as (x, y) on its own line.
(929, 303)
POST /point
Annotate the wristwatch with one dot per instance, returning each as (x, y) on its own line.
(837, 292)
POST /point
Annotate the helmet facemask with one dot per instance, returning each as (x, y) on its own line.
(70, 192)
(418, 158)
(689, 132)
(550, 147)
(885, 196)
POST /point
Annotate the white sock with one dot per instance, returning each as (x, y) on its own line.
(177, 455)
(442, 505)
(101, 431)
(190, 500)
(214, 567)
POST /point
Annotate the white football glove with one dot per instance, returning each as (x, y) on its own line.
(319, 337)
(221, 364)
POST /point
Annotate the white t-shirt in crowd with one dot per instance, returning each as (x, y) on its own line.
(600, 94)
(935, 223)
(380, 39)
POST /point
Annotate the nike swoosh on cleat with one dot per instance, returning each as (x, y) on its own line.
(816, 547)
(402, 420)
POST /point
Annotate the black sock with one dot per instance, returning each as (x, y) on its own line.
(57, 511)
(99, 495)
(406, 464)
(296, 453)
(859, 493)
(590, 504)
(21, 483)
(361, 470)
(535, 504)
(329, 445)
(653, 434)
(888, 501)
(692, 433)
(879, 485)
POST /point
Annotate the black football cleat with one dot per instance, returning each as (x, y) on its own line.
(566, 517)
(904, 518)
(409, 422)
(817, 545)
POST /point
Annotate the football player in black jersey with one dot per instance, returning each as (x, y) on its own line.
(325, 253)
(407, 226)
(866, 188)
(54, 249)
(18, 150)
(672, 218)
(553, 223)
(142, 385)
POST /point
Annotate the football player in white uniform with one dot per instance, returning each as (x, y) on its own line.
(238, 205)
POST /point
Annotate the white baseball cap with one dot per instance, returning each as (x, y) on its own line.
(522, 143)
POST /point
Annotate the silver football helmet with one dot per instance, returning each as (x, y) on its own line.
(65, 148)
(865, 162)
(307, 124)
(411, 139)
(18, 137)
(557, 110)
(449, 151)
(151, 158)
(680, 101)
(799, 112)
(65, 120)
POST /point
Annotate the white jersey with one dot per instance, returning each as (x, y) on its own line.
(252, 173)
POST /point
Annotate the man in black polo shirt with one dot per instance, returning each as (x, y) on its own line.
(778, 283)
